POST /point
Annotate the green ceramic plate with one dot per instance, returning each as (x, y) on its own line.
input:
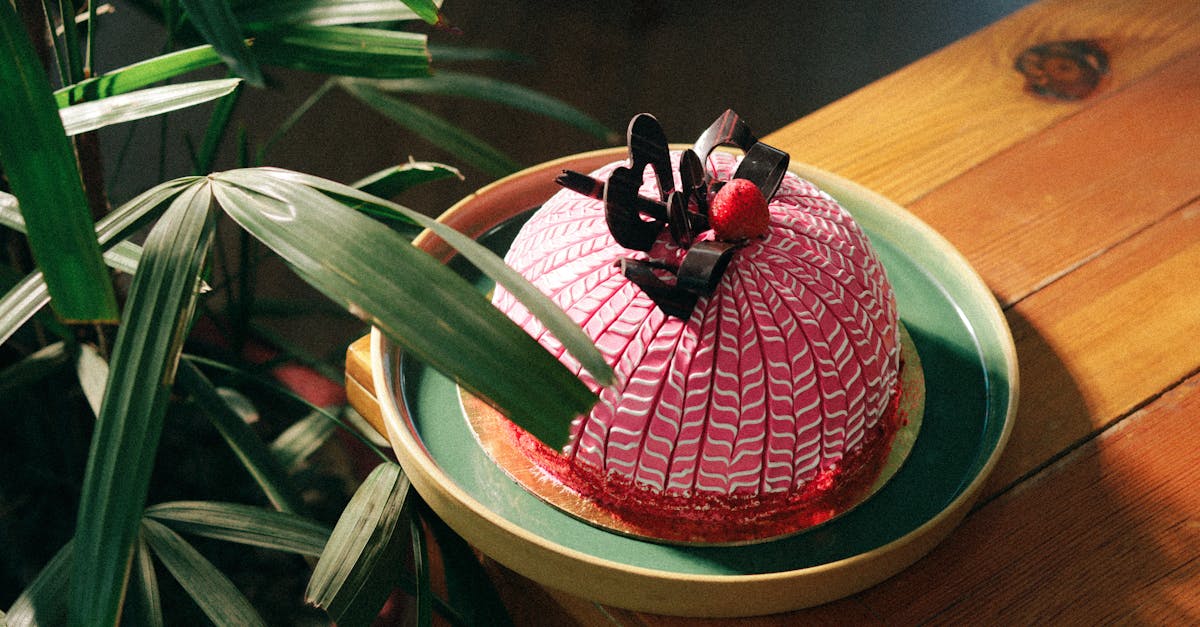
(971, 383)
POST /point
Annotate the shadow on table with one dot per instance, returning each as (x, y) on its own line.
(1065, 530)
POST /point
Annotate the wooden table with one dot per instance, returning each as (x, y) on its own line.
(1083, 217)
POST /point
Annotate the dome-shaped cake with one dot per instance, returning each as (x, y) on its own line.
(761, 391)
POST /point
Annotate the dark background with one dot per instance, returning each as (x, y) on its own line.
(685, 61)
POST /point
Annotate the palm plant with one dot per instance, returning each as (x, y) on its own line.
(74, 338)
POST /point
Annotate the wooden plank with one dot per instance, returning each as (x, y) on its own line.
(848, 612)
(1050, 203)
(530, 604)
(929, 122)
(360, 386)
(1103, 340)
(1108, 534)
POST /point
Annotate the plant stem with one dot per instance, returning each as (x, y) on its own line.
(91, 169)
(283, 391)
(261, 156)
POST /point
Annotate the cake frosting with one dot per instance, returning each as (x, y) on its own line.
(770, 401)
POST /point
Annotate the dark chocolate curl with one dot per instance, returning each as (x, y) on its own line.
(672, 300)
(691, 174)
(624, 222)
(678, 220)
(648, 146)
(704, 265)
(581, 184)
(765, 166)
(727, 130)
(592, 188)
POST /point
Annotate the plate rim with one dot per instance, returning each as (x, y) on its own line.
(840, 577)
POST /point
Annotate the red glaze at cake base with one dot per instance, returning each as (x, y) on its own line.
(717, 518)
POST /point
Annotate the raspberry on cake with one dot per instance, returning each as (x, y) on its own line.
(753, 332)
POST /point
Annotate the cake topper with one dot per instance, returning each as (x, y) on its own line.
(636, 221)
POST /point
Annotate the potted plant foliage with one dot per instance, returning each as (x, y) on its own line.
(96, 331)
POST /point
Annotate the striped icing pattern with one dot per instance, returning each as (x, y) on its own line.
(775, 377)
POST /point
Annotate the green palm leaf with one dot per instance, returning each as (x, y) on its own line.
(219, 27)
(138, 75)
(426, 9)
(427, 308)
(21, 303)
(142, 103)
(251, 451)
(10, 207)
(44, 601)
(357, 569)
(274, 386)
(39, 163)
(143, 604)
(326, 12)
(450, 83)
(458, 142)
(301, 439)
(143, 209)
(420, 554)
(159, 309)
(390, 182)
(216, 596)
(244, 524)
(70, 57)
(92, 371)
(33, 368)
(565, 330)
(343, 50)
(30, 295)
(121, 256)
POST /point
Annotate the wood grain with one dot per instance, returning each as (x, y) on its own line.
(929, 122)
(360, 387)
(1103, 340)
(1110, 533)
(1050, 203)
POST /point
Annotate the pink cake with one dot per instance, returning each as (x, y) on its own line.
(771, 402)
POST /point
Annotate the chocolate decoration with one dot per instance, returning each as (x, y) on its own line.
(581, 184)
(678, 220)
(624, 222)
(590, 187)
(765, 166)
(688, 207)
(648, 146)
(672, 300)
(704, 265)
(636, 221)
(728, 130)
(698, 275)
(691, 174)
